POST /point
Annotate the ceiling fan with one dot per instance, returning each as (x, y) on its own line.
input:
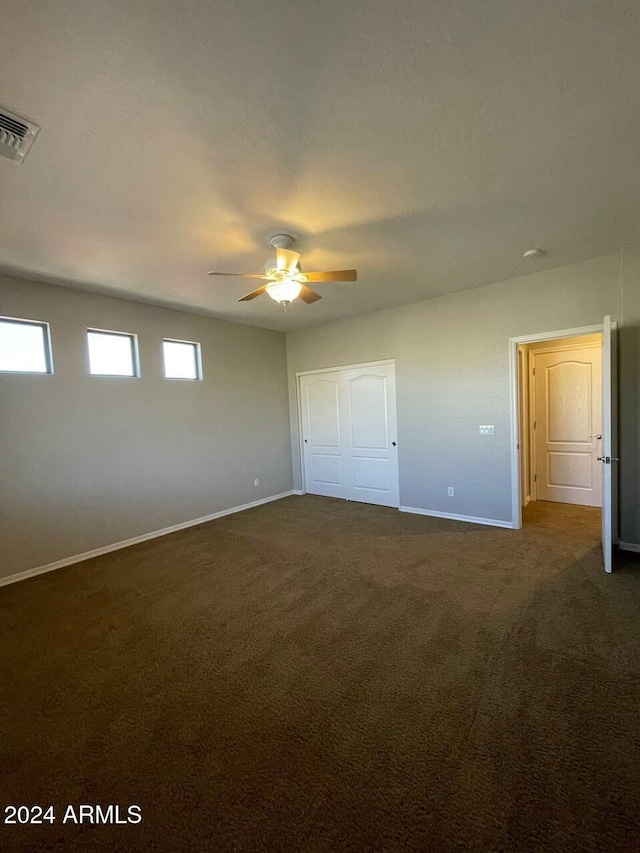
(284, 278)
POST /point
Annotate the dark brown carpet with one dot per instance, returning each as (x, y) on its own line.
(314, 675)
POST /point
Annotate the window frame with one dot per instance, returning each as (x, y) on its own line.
(46, 340)
(135, 354)
(198, 360)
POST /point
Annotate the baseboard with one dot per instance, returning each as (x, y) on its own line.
(527, 500)
(136, 540)
(629, 546)
(490, 522)
(299, 492)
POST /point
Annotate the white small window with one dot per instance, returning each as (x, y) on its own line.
(25, 346)
(182, 359)
(112, 353)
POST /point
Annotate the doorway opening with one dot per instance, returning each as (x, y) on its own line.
(574, 433)
(560, 429)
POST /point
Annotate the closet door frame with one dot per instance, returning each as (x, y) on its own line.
(335, 368)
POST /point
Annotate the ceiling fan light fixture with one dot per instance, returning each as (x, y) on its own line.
(284, 278)
(284, 291)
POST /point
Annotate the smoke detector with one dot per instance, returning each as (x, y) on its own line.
(17, 135)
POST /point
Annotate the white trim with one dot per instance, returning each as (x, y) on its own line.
(562, 333)
(126, 543)
(346, 366)
(303, 473)
(516, 508)
(299, 492)
(531, 432)
(452, 516)
(629, 546)
(565, 348)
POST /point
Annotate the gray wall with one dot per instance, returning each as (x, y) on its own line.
(89, 461)
(452, 373)
(629, 392)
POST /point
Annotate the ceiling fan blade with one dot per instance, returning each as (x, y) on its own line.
(287, 260)
(332, 275)
(307, 295)
(253, 294)
(242, 275)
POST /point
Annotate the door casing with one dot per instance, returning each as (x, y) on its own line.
(514, 387)
(535, 415)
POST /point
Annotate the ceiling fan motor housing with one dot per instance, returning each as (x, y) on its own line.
(271, 269)
(278, 241)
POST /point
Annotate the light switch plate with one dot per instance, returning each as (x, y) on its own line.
(487, 429)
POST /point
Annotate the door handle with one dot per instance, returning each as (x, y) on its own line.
(305, 441)
(598, 436)
(608, 459)
(393, 442)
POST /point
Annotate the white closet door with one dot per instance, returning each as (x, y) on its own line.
(349, 434)
(322, 431)
(370, 441)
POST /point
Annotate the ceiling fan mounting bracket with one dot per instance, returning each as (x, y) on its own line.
(281, 241)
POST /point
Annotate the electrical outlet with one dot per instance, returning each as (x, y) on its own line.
(450, 491)
(256, 483)
(487, 429)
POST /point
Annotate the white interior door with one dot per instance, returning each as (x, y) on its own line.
(370, 434)
(608, 460)
(568, 425)
(349, 434)
(322, 430)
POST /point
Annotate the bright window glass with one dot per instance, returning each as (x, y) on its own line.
(111, 354)
(24, 347)
(181, 360)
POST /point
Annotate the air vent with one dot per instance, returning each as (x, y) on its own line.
(16, 135)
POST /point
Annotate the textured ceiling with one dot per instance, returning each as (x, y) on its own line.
(426, 143)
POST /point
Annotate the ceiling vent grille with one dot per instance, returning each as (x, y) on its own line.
(16, 135)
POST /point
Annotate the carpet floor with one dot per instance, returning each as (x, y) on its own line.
(315, 675)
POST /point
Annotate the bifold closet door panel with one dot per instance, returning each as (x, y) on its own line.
(349, 434)
(322, 434)
(369, 439)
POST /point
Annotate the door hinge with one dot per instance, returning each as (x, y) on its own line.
(535, 478)
(534, 424)
(534, 371)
